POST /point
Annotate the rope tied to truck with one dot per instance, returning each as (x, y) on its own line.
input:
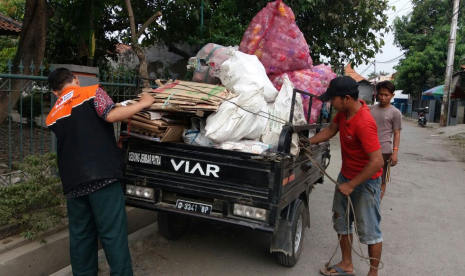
(308, 153)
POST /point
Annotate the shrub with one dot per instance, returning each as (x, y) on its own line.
(37, 202)
(36, 107)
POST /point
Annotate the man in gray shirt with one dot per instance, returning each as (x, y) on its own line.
(389, 121)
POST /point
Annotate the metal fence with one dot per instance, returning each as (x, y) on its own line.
(24, 132)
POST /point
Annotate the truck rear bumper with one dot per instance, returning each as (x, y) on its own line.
(214, 217)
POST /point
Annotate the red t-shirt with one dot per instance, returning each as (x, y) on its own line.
(359, 136)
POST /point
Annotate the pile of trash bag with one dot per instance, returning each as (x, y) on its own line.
(275, 39)
(272, 59)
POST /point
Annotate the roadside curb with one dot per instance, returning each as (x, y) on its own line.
(11, 243)
(34, 258)
(133, 238)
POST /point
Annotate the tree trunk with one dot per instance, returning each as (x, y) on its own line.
(142, 66)
(31, 47)
(135, 35)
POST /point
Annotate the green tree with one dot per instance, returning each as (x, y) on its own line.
(79, 32)
(423, 35)
(31, 48)
(136, 33)
(329, 29)
(13, 9)
(344, 31)
(9, 44)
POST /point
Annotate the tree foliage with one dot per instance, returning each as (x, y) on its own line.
(340, 32)
(343, 31)
(13, 9)
(77, 26)
(9, 44)
(31, 49)
(423, 35)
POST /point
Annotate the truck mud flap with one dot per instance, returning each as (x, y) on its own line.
(282, 239)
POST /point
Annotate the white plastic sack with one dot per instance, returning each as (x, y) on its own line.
(233, 123)
(250, 146)
(244, 73)
(207, 62)
(279, 113)
(196, 134)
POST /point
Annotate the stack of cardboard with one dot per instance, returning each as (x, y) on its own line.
(160, 125)
(177, 98)
(189, 97)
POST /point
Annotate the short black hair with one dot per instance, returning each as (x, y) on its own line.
(60, 77)
(389, 86)
(353, 96)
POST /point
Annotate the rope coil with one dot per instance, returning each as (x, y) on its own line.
(351, 208)
(323, 170)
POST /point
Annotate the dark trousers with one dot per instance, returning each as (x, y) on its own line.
(99, 215)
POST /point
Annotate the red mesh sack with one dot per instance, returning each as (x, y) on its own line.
(314, 81)
(275, 39)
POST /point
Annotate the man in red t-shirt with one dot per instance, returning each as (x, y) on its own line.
(360, 173)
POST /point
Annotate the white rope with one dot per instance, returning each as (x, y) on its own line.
(308, 153)
(350, 206)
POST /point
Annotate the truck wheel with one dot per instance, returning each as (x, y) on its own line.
(297, 230)
(172, 226)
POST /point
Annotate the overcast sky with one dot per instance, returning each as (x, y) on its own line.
(389, 50)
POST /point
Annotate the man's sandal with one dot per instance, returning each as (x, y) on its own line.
(339, 271)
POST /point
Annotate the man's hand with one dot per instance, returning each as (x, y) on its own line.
(146, 100)
(346, 189)
(393, 158)
(124, 112)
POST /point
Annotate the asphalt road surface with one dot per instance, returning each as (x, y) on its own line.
(422, 222)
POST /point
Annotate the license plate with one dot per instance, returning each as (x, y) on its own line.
(193, 207)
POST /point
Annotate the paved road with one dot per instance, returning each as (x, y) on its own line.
(423, 224)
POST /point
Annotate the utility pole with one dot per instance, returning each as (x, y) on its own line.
(450, 66)
(373, 99)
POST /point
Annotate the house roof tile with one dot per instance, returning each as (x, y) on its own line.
(348, 71)
(9, 26)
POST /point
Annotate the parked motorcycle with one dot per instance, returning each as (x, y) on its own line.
(422, 116)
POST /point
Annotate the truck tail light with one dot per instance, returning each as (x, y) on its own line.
(249, 212)
(137, 191)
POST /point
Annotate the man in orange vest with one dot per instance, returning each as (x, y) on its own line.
(90, 166)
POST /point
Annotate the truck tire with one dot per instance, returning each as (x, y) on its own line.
(297, 230)
(172, 226)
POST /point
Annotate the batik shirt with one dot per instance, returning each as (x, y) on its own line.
(103, 105)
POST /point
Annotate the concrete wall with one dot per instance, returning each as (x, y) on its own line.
(87, 75)
(459, 119)
(160, 61)
(461, 113)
